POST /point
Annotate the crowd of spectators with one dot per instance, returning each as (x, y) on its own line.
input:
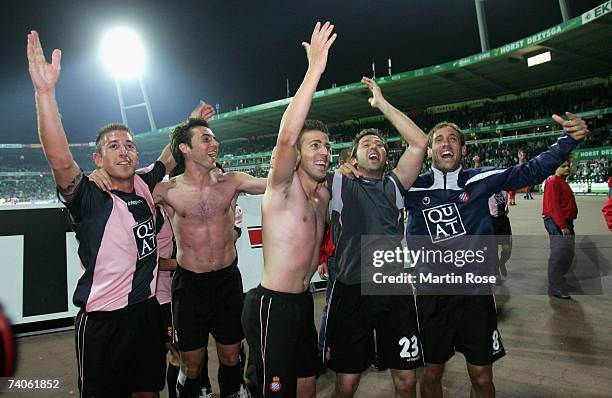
(467, 117)
(27, 189)
(40, 186)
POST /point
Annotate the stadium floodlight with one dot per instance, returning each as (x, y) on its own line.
(123, 53)
(124, 56)
(538, 59)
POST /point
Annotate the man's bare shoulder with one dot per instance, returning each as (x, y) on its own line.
(234, 177)
(162, 188)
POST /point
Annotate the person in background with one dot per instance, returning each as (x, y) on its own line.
(559, 211)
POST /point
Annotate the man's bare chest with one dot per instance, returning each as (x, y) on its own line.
(205, 203)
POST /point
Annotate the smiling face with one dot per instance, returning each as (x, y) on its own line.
(117, 154)
(203, 148)
(314, 154)
(446, 149)
(371, 155)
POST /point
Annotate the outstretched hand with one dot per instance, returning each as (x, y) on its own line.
(203, 111)
(44, 75)
(318, 48)
(575, 127)
(377, 98)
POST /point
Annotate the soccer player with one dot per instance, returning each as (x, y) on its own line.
(468, 323)
(372, 205)
(117, 248)
(278, 316)
(207, 287)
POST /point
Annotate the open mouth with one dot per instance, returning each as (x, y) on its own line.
(321, 163)
(374, 156)
(124, 163)
(447, 155)
(213, 155)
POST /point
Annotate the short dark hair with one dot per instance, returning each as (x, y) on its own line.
(182, 134)
(311, 125)
(107, 129)
(365, 133)
(441, 125)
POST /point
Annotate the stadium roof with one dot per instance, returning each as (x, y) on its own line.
(581, 48)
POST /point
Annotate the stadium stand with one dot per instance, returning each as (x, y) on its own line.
(499, 102)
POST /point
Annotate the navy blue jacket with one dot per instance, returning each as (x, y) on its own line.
(446, 205)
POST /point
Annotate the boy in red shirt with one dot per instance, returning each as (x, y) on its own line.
(559, 211)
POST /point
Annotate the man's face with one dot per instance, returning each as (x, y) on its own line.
(563, 170)
(315, 152)
(204, 148)
(117, 155)
(446, 149)
(371, 154)
(522, 156)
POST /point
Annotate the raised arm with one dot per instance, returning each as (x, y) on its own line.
(285, 157)
(409, 165)
(167, 159)
(537, 169)
(45, 76)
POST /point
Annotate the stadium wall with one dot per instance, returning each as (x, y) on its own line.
(41, 268)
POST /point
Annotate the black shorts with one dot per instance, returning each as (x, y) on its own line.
(467, 324)
(121, 351)
(350, 341)
(502, 230)
(209, 302)
(283, 341)
(166, 313)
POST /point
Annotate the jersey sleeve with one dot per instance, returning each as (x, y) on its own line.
(529, 173)
(152, 174)
(87, 198)
(399, 185)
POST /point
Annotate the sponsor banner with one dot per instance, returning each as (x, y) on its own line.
(593, 153)
(597, 12)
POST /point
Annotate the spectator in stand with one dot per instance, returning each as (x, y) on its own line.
(559, 211)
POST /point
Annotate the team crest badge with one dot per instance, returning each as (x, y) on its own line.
(275, 386)
(464, 197)
(426, 200)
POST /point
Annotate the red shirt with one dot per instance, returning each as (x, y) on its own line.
(607, 212)
(559, 202)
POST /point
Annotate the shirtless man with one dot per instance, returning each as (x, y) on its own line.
(207, 286)
(294, 211)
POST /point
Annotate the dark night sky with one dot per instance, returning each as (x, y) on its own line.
(235, 52)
